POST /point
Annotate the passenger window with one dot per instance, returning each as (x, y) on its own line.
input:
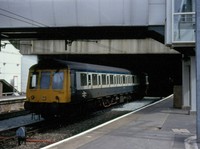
(133, 79)
(129, 79)
(111, 79)
(34, 80)
(99, 79)
(108, 82)
(94, 79)
(121, 79)
(115, 80)
(103, 79)
(118, 79)
(45, 80)
(58, 78)
(83, 79)
(124, 80)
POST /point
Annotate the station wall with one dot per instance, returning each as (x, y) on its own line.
(14, 66)
(10, 64)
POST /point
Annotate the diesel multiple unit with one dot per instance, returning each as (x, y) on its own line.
(59, 88)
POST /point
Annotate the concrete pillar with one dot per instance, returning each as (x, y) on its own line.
(197, 31)
(189, 84)
(193, 84)
(186, 83)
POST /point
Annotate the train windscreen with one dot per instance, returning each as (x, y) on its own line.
(58, 78)
(45, 80)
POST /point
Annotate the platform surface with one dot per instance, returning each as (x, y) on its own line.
(12, 98)
(159, 126)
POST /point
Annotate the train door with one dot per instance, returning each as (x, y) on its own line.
(73, 81)
(89, 80)
(99, 81)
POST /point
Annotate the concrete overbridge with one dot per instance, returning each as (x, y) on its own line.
(78, 22)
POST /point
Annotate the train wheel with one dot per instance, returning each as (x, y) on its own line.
(106, 102)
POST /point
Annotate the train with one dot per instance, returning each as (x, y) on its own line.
(58, 88)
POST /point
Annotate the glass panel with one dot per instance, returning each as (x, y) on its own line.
(184, 6)
(99, 79)
(124, 80)
(107, 79)
(34, 80)
(103, 79)
(118, 79)
(184, 27)
(89, 79)
(115, 80)
(129, 79)
(111, 79)
(121, 80)
(133, 79)
(83, 79)
(94, 79)
(58, 78)
(45, 80)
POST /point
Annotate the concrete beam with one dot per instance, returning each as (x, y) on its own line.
(128, 46)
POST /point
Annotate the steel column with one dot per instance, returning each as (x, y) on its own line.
(198, 67)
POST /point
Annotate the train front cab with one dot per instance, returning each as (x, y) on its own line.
(48, 91)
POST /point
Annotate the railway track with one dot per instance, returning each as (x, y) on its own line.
(44, 133)
(13, 114)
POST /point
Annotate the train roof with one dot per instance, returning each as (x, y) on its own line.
(60, 64)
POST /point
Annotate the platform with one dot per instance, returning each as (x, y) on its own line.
(159, 126)
(11, 103)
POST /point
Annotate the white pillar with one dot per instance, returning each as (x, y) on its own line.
(186, 83)
(193, 84)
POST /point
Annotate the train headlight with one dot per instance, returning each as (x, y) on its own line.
(57, 98)
(44, 98)
(32, 97)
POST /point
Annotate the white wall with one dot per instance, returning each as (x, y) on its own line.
(14, 67)
(10, 65)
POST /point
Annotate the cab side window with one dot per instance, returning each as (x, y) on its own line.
(34, 80)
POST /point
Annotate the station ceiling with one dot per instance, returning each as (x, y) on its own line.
(77, 33)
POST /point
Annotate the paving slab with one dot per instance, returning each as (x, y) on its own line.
(159, 126)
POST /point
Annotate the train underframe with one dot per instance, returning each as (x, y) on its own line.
(53, 110)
